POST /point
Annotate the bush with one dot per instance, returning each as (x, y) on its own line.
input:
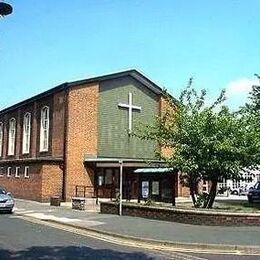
(201, 200)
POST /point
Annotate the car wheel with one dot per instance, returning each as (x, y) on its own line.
(10, 211)
(235, 192)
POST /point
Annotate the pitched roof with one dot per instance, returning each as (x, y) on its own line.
(133, 73)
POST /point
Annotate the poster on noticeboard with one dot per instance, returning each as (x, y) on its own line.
(145, 189)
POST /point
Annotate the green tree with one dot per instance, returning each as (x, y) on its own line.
(251, 118)
(207, 141)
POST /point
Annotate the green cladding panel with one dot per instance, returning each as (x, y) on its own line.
(113, 137)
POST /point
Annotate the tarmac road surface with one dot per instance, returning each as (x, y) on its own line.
(20, 239)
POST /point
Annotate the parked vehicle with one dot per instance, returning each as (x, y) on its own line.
(6, 201)
(242, 190)
(254, 194)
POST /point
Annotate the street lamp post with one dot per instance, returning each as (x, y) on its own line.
(5, 9)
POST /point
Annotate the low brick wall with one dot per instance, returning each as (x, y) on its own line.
(196, 217)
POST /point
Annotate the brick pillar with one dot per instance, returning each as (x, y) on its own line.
(18, 135)
(34, 130)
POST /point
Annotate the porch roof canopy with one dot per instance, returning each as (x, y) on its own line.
(127, 162)
(154, 170)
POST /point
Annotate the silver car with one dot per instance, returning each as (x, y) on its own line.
(6, 201)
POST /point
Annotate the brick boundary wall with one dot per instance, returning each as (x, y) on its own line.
(195, 217)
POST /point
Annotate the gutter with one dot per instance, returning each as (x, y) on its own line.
(64, 176)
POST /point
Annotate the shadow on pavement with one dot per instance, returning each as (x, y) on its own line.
(71, 252)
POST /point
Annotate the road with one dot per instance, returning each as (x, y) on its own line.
(20, 239)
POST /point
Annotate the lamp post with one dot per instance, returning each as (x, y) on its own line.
(5, 9)
(120, 186)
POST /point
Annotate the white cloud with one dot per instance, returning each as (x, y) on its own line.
(240, 86)
(237, 91)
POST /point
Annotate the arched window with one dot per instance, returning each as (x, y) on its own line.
(44, 134)
(26, 133)
(11, 136)
(1, 138)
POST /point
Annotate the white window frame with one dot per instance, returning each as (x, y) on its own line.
(44, 132)
(17, 172)
(1, 138)
(11, 136)
(26, 172)
(9, 172)
(26, 133)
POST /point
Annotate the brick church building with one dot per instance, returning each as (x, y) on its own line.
(69, 140)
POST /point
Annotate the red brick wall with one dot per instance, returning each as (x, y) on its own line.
(51, 181)
(183, 191)
(81, 135)
(184, 216)
(45, 178)
(57, 106)
(25, 188)
(167, 152)
(58, 124)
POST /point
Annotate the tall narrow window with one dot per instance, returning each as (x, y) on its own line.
(9, 171)
(2, 171)
(44, 135)
(26, 133)
(1, 138)
(17, 172)
(11, 136)
(26, 172)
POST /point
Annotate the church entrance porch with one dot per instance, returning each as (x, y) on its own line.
(152, 182)
(157, 184)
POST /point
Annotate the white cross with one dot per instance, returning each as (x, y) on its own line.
(130, 108)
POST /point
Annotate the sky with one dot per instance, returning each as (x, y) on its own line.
(45, 43)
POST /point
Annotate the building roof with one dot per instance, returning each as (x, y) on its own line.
(132, 73)
(127, 162)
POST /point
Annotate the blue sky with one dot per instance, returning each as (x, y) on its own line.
(45, 42)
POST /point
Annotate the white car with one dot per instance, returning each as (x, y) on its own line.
(6, 201)
(242, 190)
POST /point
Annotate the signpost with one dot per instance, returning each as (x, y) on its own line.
(120, 187)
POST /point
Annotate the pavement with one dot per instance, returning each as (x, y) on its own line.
(246, 238)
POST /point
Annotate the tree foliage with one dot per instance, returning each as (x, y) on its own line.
(207, 141)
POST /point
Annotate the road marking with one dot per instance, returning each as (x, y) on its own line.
(15, 208)
(43, 216)
(52, 217)
(24, 211)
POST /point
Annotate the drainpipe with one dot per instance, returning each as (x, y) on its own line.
(120, 187)
(64, 176)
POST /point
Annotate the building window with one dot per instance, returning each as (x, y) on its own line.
(9, 171)
(26, 133)
(1, 138)
(108, 176)
(2, 171)
(44, 134)
(11, 136)
(26, 172)
(17, 172)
